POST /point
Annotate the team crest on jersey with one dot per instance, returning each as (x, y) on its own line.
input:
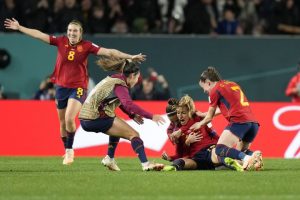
(79, 48)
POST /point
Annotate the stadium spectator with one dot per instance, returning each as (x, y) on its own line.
(155, 87)
(287, 17)
(229, 25)
(8, 9)
(46, 90)
(155, 16)
(98, 111)
(99, 22)
(200, 17)
(293, 88)
(234, 106)
(70, 73)
(2, 94)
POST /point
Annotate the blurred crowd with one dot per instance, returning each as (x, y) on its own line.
(229, 17)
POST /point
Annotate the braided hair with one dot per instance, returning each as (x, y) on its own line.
(172, 106)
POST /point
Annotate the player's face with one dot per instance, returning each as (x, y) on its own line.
(205, 86)
(74, 33)
(133, 79)
(183, 115)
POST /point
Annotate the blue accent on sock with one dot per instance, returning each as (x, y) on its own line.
(241, 155)
(248, 152)
(112, 145)
(70, 140)
(138, 147)
(179, 164)
(224, 151)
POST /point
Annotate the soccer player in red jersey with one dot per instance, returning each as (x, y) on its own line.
(234, 106)
(197, 149)
(293, 88)
(70, 74)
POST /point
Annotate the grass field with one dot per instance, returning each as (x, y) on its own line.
(36, 178)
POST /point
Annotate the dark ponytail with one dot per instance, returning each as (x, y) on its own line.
(211, 74)
(172, 106)
(130, 68)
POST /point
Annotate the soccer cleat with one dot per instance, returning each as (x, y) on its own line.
(169, 168)
(69, 157)
(233, 164)
(153, 167)
(259, 164)
(110, 163)
(248, 164)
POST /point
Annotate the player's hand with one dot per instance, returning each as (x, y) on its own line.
(165, 156)
(195, 126)
(138, 119)
(193, 137)
(176, 134)
(138, 58)
(158, 119)
(12, 24)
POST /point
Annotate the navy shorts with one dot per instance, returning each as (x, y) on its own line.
(203, 159)
(63, 94)
(245, 131)
(97, 125)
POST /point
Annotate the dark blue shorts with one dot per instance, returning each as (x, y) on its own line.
(203, 159)
(245, 131)
(97, 125)
(63, 94)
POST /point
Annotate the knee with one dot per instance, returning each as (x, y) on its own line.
(69, 120)
(221, 150)
(62, 123)
(133, 134)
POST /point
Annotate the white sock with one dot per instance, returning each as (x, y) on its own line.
(246, 158)
(145, 164)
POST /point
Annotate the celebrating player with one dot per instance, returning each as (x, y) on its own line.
(194, 150)
(234, 106)
(98, 111)
(70, 74)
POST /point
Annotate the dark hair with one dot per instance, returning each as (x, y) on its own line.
(130, 68)
(211, 74)
(172, 106)
(119, 65)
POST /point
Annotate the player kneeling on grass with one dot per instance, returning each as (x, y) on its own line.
(98, 111)
(242, 125)
(194, 150)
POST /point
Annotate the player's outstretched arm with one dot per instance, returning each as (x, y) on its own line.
(118, 54)
(209, 116)
(13, 24)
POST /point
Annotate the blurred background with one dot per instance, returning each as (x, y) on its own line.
(254, 42)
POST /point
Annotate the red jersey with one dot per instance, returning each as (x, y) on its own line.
(233, 104)
(180, 147)
(294, 82)
(71, 62)
(209, 137)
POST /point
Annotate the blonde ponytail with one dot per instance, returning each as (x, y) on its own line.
(111, 64)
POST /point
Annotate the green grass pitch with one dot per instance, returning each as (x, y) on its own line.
(43, 178)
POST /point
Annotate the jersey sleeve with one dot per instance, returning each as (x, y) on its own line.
(214, 98)
(94, 48)
(54, 40)
(127, 103)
